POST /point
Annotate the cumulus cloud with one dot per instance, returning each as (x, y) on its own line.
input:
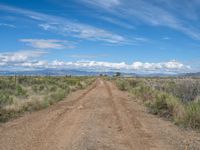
(30, 59)
(18, 58)
(162, 67)
(172, 66)
(24, 60)
(47, 44)
(35, 64)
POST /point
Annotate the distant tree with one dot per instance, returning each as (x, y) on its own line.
(118, 74)
(68, 76)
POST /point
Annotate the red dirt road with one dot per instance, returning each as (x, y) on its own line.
(98, 118)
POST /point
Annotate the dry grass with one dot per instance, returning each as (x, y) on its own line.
(173, 98)
(21, 94)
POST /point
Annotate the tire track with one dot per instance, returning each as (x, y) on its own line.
(129, 125)
(71, 106)
(117, 114)
(98, 118)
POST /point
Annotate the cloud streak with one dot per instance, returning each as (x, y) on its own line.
(88, 56)
(67, 27)
(84, 32)
(7, 25)
(47, 43)
(156, 13)
(104, 3)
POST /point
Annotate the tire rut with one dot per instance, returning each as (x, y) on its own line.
(71, 106)
(116, 113)
(98, 118)
(129, 124)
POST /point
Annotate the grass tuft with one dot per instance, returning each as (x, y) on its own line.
(173, 98)
(23, 93)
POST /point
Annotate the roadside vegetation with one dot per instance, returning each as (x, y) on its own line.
(177, 99)
(19, 94)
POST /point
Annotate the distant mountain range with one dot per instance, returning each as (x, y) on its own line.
(197, 74)
(54, 72)
(57, 72)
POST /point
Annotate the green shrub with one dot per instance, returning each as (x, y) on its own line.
(80, 85)
(163, 105)
(34, 88)
(58, 95)
(6, 114)
(41, 87)
(5, 100)
(191, 118)
(20, 91)
(53, 88)
(45, 103)
(50, 89)
(122, 85)
(176, 99)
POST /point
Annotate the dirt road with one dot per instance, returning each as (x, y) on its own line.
(98, 118)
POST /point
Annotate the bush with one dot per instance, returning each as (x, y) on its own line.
(37, 92)
(186, 90)
(53, 88)
(145, 93)
(41, 87)
(191, 118)
(58, 95)
(122, 85)
(34, 88)
(5, 100)
(6, 114)
(20, 91)
(164, 105)
(176, 99)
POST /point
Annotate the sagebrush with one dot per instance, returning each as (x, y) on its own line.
(27, 93)
(175, 98)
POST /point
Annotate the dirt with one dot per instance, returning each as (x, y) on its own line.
(98, 118)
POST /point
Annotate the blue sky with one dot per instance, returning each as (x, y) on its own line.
(144, 36)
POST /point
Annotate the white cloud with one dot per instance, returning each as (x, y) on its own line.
(29, 59)
(82, 31)
(104, 3)
(135, 66)
(17, 58)
(35, 64)
(182, 16)
(117, 22)
(7, 25)
(47, 44)
(170, 65)
(88, 56)
(173, 65)
(166, 38)
(67, 27)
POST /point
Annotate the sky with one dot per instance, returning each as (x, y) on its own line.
(137, 36)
